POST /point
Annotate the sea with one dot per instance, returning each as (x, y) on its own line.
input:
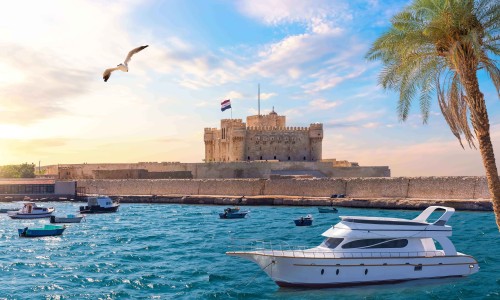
(171, 251)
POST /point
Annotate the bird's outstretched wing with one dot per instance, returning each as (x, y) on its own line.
(107, 73)
(132, 52)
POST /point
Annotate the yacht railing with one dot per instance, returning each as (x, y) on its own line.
(284, 249)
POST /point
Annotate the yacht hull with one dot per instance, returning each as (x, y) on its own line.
(289, 271)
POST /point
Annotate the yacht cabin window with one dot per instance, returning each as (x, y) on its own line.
(332, 243)
(376, 243)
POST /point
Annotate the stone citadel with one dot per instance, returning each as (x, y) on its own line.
(263, 137)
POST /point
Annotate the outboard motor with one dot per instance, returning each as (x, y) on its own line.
(52, 219)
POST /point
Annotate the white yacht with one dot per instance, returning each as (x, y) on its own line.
(368, 250)
(31, 211)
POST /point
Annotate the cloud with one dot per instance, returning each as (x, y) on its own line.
(322, 104)
(55, 61)
(273, 12)
(45, 85)
(265, 96)
(233, 95)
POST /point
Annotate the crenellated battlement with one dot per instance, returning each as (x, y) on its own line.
(231, 121)
(269, 128)
(208, 129)
(316, 126)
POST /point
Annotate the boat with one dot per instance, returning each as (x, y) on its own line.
(98, 205)
(68, 219)
(233, 213)
(304, 221)
(367, 250)
(46, 230)
(31, 211)
(327, 209)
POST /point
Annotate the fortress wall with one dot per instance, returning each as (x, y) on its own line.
(357, 171)
(443, 187)
(220, 170)
(233, 187)
(394, 187)
(174, 187)
(324, 187)
(481, 190)
(400, 187)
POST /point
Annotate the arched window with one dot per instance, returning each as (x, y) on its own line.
(248, 157)
(304, 158)
(275, 157)
(261, 158)
(288, 157)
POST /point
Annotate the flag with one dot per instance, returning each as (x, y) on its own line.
(226, 104)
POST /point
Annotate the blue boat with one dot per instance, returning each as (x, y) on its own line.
(304, 221)
(233, 213)
(47, 230)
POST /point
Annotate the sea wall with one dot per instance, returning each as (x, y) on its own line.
(388, 187)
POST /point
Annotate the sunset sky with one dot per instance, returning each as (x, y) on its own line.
(308, 56)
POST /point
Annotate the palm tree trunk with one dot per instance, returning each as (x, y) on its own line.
(481, 124)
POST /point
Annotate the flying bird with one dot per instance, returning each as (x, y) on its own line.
(122, 67)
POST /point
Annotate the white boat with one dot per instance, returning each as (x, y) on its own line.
(368, 250)
(100, 204)
(68, 219)
(31, 211)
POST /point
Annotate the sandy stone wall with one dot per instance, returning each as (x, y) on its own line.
(400, 188)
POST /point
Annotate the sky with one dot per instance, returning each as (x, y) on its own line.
(307, 56)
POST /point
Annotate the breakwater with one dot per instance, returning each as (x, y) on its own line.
(467, 193)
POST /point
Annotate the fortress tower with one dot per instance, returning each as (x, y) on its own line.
(263, 137)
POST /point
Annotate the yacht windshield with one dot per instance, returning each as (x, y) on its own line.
(332, 243)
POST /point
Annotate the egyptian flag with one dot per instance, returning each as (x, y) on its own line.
(226, 104)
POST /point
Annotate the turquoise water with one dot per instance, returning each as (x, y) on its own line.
(154, 251)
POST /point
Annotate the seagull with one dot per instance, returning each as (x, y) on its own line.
(122, 67)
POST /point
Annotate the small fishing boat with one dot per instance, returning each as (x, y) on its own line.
(31, 211)
(233, 213)
(99, 205)
(330, 209)
(304, 221)
(67, 219)
(46, 230)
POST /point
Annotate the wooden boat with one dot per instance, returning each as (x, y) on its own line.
(304, 221)
(31, 211)
(46, 230)
(99, 205)
(67, 219)
(233, 213)
(330, 209)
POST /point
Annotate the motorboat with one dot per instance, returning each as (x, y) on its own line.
(233, 213)
(70, 218)
(46, 230)
(31, 211)
(327, 209)
(304, 221)
(368, 250)
(99, 204)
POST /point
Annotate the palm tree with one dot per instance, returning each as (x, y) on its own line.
(439, 46)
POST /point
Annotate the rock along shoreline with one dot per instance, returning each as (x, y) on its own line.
(278, 200)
